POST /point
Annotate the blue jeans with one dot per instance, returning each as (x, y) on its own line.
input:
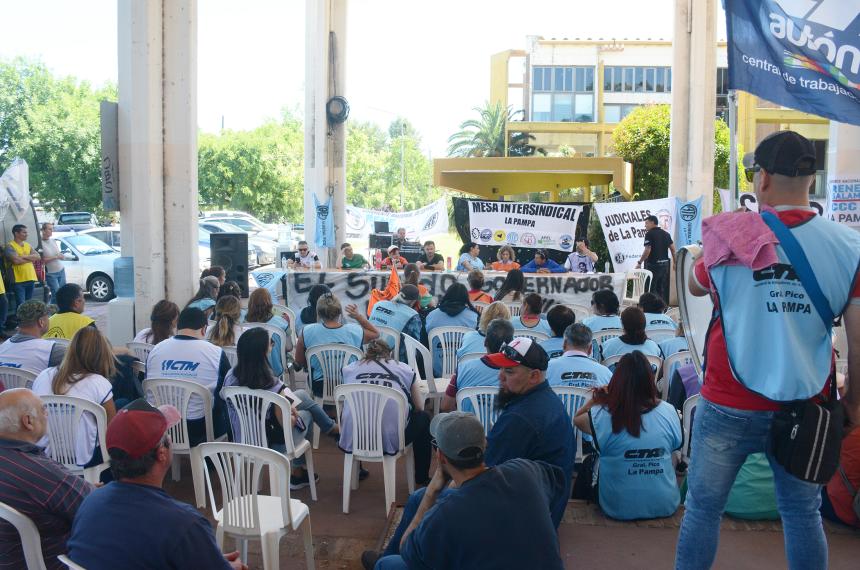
(722, 439)
(55, 281)
(391, 562)
(23, 291)
(307, 403)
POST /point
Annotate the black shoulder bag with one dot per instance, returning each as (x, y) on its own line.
(806, 436)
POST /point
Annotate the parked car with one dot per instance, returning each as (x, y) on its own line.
(110, 235)
(76, 221)
(89, 263)
(203, 238)
(250, 225)
(264, 248)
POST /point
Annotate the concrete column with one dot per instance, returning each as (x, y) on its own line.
(843, 148)
(141, 150)
(325, 145)
(180, 148)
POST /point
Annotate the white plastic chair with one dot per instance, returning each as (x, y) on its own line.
(435, 386)
(532, 334)
(641, 280)
(16, 377)
(669, 366)
(177, 393)
(330, 358)
(674, 313)
(140, 349)
(367, 404)
(66, 561)
(244, 513)
(655, 361)
(660, 335)
(450, 339)
(480, 306)
(391, 337)
(64, 421)
(514, 308)
(687, 412)
(62, 341)
(601, 336)
(291, 317)
(31, 541)
(483, 401)
(230, 353)
(252, 408)
(286, 346)
(581, 311)
(574, 398)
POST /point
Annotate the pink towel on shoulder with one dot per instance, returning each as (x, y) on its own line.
(738, 238)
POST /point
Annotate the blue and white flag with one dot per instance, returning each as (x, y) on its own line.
(324, 236)
(270, 279)
(802, 54)
(689, 222)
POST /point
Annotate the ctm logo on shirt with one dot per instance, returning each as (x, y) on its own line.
(10, 365)
(643, 453)
(180, 365)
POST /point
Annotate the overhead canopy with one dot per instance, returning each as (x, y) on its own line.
(497, 177)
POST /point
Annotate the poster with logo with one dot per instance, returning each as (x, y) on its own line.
(623, 226)
(843, 200)
(689, 218)
(802, 54)
(523, 224)
(429, 220)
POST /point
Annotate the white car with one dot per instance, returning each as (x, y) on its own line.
(250, 225)
(265, 249)
(89, 263)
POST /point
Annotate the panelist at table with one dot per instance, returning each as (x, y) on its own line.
(350, 260)
(469, 259)
(430, 260)
(582, 260)
(506, 259)
(542, 264)
(304, 258)
(394, 259)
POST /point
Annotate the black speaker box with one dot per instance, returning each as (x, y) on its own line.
(380, 241)
(230, 251)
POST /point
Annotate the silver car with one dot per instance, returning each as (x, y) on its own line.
(88, 263)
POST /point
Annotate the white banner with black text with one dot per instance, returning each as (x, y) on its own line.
(523, 224)
(623, 226)
(429, 220)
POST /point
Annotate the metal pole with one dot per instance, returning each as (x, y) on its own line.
(402, 165)
(733, 151)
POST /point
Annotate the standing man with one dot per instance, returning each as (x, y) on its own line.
(55, 273)
(22, 256)
(762, 353)
(430, 260)
(655, 256)
(582, 260)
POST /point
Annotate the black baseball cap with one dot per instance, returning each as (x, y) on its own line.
(521, 351)
(784, 152)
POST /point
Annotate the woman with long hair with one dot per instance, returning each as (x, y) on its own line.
(378, 368)
(474, 341)
(308, 315)
(162, 323)
(635, 433)
(85, 371)
(454, 310)
(604, 305)
(513, 287)
(252, 371)
(225, 331)
(507, 259)
(634, 337)
(230, 288)
(411, 275)
(261, 310)
(207, 294)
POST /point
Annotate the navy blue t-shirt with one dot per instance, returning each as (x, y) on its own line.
(499, 519)
(129, 526)
(536, 426)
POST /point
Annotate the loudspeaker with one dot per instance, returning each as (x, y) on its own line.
(230, 251)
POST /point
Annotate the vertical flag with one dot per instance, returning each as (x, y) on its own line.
(689, 220)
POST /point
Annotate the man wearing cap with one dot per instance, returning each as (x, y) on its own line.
(400, 314)
(33, 484)
(132, 522)
(394, 258)
(27, 349)
(768, 344)
(655, 256)
(542, 264)
(471, 527)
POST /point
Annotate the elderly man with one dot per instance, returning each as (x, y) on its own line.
(304, 258)
(27, 349)
(399, 238)
(575, 366)
(36, 486)
(132, 522)
(69, 317)
(22, 256)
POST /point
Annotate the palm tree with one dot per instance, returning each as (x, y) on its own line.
(485, 136)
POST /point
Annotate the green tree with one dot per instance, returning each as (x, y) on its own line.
(485, 136)
(23, 84)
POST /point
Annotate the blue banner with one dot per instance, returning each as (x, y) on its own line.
(802, 54)
(324, 236)
(689, 222)
(271, 280)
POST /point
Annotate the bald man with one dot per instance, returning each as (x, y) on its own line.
(36, 486)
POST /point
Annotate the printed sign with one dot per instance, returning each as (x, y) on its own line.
(748, 201)
(523, 224)
(429, 220)
(802, 54)
(623, 226)
(843, 200)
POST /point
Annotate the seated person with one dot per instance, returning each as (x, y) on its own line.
(626, 417)
(226, 330)
(215, 271)
(454, 310)
(231, 288)
(377, 367)
(412, 276)
(350, 260)
(634, 337)
(530, 317)
(206, 296)
(304, 258)
(400, 314)
(513, 288)
(604, 305)
(575, 367)
(542, 264)
(582, 260)
(394, 259)
(189, 356)
(654, 307)
(474, 342)
(69, 317)
(558, 318)
(476, 283)
(399, 237)
(476, 372)
(162, 323)
(261, 310)
(506, 259)
(430, 260)
(675, 344)
(330, 329)
(308, 314)
(27, 349)
(469, 259)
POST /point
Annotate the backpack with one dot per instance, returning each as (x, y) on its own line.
(852, 491)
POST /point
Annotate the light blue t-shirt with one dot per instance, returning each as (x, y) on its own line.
(673, 345)
(577, 370)
(202, 304)
(554, 346)
(602, 322)
(475, 262)
(437, 318)
(472, 342)
(475, 373)
(317, 333)
(541, 326)
(615, 346)
(659, 322)
(277, 350)
(637, 478)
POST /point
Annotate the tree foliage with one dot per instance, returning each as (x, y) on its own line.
(485, 136)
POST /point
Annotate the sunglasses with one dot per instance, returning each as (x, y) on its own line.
(302, 250)
(511, 353)
(750, 172)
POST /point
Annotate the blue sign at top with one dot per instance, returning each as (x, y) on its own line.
(802, 54)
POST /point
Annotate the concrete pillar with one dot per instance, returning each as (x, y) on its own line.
(325, 145)
(843, 148)
(694, 70)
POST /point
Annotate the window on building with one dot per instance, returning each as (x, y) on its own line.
(542, 107)
(554, 90)
(615, 113)
(637, 79)
(650, 79)
(562, 108)
(608, 74)
(627, 85)
(542, 79)
(583, 108)
(660, 80)
(563, 80)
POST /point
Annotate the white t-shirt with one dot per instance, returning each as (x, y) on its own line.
(307, 260)
(92, 387)
(144, 336)
(51, 249)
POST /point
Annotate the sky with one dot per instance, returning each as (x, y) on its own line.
(426, 61)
